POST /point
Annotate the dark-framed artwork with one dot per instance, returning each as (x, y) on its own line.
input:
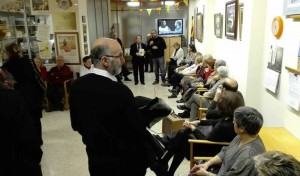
(218, 25)
(241, 16)
(291, 8)
(231, 16)
(199, 27)
(67, 45)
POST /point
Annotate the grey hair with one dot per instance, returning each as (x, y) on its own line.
(276, 163)
(220, 62)
(98, 52)
(223, 71)
(248, 118)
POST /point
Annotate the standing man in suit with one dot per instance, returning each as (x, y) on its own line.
(113, 133)
(137, 51)
(158, 46)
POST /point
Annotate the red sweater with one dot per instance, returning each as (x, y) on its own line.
(57, 76)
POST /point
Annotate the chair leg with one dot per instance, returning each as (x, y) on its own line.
(191, 155)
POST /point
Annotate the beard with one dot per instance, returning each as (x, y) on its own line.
(114, 68)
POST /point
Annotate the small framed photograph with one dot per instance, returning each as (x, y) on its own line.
(67, 45)
(84, 29)
(218, 25)
(39, 7)
(199, 27)
(291, 8)
(241, 16)
(86, 49)
(231, 16)
(83, 19)
(84, 39)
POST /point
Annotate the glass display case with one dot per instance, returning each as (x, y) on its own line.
(26, 30)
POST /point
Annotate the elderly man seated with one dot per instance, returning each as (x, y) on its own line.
(56, 77)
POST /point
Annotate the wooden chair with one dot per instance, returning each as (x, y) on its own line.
(67, 86)
(205, 142)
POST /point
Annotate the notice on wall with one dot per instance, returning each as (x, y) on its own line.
(43, 32)
(294, 91)
(271, 80)
(44, 50)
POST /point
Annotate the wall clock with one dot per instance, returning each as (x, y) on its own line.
(277, 26)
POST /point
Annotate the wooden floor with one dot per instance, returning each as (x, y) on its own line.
(280, 139)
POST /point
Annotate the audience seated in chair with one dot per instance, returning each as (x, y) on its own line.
(193, 103)
(215, 130)
(87, 66)
(276, 163)
(237, 158)
(175, 79)
(55, 90)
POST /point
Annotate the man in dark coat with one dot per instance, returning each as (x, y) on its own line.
(113, 133)
(137, 51)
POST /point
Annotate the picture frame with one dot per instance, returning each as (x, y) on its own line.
(83, 19)
(241, 16)
(291, 8)
(231, 16)
(199, 27)
(39, 7)
(218, 25)
(67, 45)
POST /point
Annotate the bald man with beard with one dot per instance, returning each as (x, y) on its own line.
(112, 132)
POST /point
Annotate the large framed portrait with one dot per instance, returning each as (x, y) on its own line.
(199, 27)
(231, 16)
(218, 25)
(67, 45)
(291, 8)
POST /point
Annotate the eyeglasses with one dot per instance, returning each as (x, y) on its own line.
(120, 56)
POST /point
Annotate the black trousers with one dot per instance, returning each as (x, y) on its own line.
(138, 69)
(148, 63)
(55, 95)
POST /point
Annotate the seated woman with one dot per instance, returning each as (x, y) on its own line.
(274, 163)
(237, 158)
(215, 130)
(41, 68)
(175, 79)
(175, 60)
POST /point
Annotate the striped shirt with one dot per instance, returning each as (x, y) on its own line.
(238, 160)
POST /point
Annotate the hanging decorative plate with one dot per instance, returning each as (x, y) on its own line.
(64, 4)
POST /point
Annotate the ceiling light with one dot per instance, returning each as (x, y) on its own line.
(133, 4)
(168, 3)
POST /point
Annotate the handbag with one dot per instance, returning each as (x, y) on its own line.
(153, 110)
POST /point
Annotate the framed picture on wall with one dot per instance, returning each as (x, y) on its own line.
(67, 45)
(39, 7)
(241, 16)
(231, 16)
(199, 27)
(291, 8)
(218, 25)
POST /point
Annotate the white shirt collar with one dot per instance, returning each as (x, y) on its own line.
(104, 73)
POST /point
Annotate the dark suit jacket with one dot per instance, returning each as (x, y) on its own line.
(105, 114)
(134, 50)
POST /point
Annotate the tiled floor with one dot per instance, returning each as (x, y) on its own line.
(64, 152)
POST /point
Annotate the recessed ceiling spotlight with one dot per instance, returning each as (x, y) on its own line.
(133, 4)
(168, 3)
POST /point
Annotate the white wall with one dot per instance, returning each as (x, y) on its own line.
(247, 59)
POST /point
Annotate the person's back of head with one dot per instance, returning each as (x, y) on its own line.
(198, 59)
(223, 71)
(220, 62)
(229, 102)
(192, 48)
(276, 163)
(230, 84)
(249, 119)
(13, 51)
